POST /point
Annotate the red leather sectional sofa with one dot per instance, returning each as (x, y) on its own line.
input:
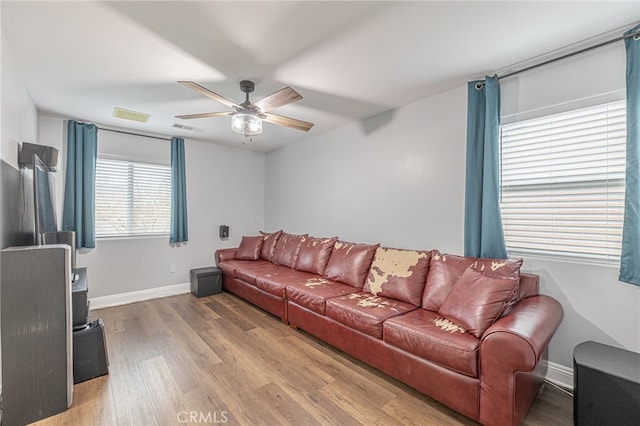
(470, 333)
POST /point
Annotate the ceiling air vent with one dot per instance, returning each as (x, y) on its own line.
(130, 115)
(189, 128)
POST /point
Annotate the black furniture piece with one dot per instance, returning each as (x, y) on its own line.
(206, 281)
(606, 385)
(79, 299)
(90, 358)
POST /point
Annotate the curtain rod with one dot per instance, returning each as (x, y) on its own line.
(635, 35)
(134, 134)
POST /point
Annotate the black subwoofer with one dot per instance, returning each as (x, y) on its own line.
(606, 385)
(89, 352)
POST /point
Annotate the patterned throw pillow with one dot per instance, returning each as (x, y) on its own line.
(398, 274)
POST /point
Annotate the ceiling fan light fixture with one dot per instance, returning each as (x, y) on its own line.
(246, 124)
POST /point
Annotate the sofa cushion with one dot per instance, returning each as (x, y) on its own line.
(424, 334)
(503, 268)
(313, 293)
(314, 254)
(444, 271)
(365, 312)
(249, 271)
(349, 263)
(276, 282)
(478, 299)
(398, 274)
(269, 243)
(250, 248)
(500, 267)
(286, 249)
(230, 267)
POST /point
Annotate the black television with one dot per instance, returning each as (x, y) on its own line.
(43, 200)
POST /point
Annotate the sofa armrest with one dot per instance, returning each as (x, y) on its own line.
(509, 359)
(224, 254)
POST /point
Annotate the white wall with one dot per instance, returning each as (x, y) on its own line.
(399, 180)
(395, 178)
(224, 186)
(19, 114)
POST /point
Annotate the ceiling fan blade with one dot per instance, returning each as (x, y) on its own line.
(203, 115)
(281, 97)
(206, 92)
(288, 121)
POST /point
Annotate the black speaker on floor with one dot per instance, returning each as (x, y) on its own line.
(606, 385)
(89, 352)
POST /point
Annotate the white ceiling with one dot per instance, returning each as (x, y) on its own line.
(349, 60)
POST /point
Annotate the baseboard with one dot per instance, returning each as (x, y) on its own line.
(138, 296)
(559, 375)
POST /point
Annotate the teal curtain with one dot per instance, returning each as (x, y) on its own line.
(179, 225)
(78, 213)
(630, 255)
(483, 233)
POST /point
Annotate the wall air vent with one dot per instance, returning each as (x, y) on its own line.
(189, 128)
(130, 115)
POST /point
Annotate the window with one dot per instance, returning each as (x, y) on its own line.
(562, 183)
(132, 199)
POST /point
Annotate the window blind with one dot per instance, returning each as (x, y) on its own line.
(132, 198)
(562, 183)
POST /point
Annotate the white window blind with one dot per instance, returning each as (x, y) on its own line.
(132, 199)
(562, 182)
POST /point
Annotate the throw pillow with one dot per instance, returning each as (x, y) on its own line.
(503, 268)
(444, 271)
(286, 249)
(349, 263)
(314, 254)
(249, 248)
(478, 299)
(269, 244)
(398, 274)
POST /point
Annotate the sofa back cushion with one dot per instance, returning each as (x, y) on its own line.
(444, 271)
(269, 244)
(529, 286)
(250, 248)
(504, 268)
(314, 254)
(286, 249)
(349, 263)
(478, 299)
(398, 274)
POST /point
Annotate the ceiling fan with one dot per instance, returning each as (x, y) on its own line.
(247, 117)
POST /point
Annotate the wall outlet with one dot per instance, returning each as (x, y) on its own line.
(172, 268)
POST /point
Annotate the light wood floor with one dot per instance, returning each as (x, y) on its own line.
(219, 360)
